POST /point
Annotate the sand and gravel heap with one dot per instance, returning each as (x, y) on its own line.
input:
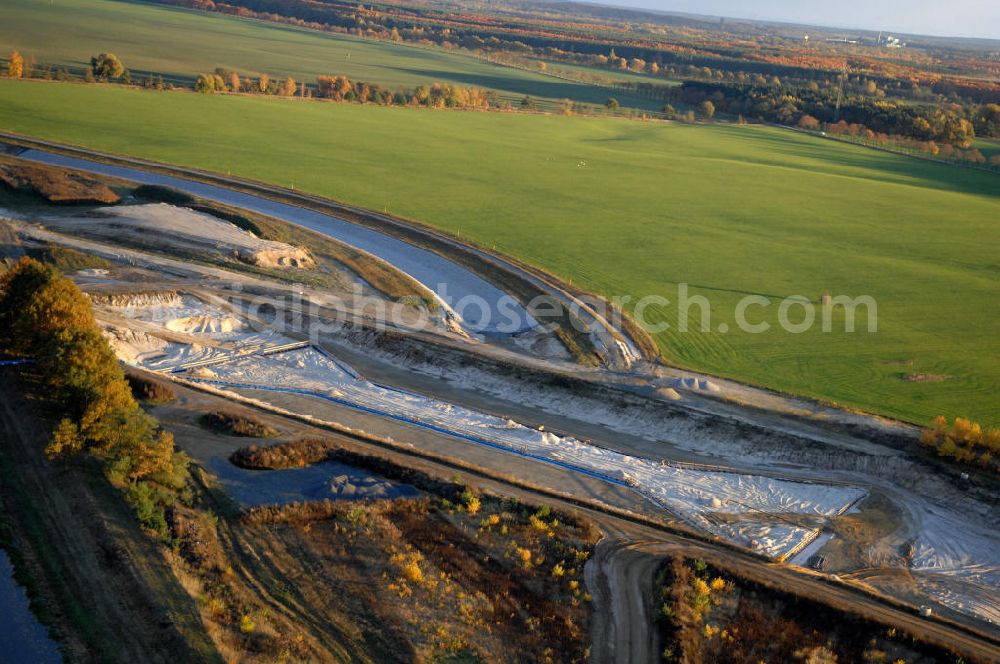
(181, 230)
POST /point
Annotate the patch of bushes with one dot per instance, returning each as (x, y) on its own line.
(237, 424)
(964, 442)
(290, 454)
(160, 194)
(65, 259)
(706, 617)
(149, 389)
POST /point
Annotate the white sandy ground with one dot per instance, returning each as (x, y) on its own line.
(182, 229)
(958, 553)
(959, 569)
(747, 509)
(479, 305)
(760, 506)
(187, 316)
(954, 562)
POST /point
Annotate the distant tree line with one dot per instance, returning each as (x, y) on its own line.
(45, 317)
(862, 134)
(341, 88)
(104, 68)
(686, 55)
(950, 124)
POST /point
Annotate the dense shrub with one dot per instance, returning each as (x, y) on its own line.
(964, 442)
(291, 454)
(150, 389)
(161, 194)
(237, 425)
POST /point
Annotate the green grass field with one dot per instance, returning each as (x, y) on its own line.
(583, 72)
(990, 147)
(633, 208)
(179, 44)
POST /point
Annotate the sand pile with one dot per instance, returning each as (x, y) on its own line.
(205, 325)
(179, 230)
(134, 346)
(696, 384)
(668, 393)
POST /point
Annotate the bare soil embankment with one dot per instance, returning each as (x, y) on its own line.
(102, 586)
(55, 185)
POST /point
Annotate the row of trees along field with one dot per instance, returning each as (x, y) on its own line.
(860, 133)
(108, 67)
(45, 317)
(591, 40)
(103, 67)
(341, 88)
(824, 74)
(954, 124)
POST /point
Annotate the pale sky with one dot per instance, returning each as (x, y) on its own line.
(952, 18)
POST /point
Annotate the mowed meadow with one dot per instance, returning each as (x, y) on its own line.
(633, 208)
(181, 43)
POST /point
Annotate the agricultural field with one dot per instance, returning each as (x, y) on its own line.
(179, 44)
(635, 209)
(585, 73)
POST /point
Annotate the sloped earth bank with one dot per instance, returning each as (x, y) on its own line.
(183, 231)
(102, 583)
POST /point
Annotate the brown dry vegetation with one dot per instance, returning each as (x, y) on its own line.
(289, 454)
(56, 185)
(98, 582)
(483, 575)
(65, 259)
(710, 615)
(149, 389)
(237, 424)
(451, 572)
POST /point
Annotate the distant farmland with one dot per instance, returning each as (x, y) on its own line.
(180, 44)
(632, 208)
